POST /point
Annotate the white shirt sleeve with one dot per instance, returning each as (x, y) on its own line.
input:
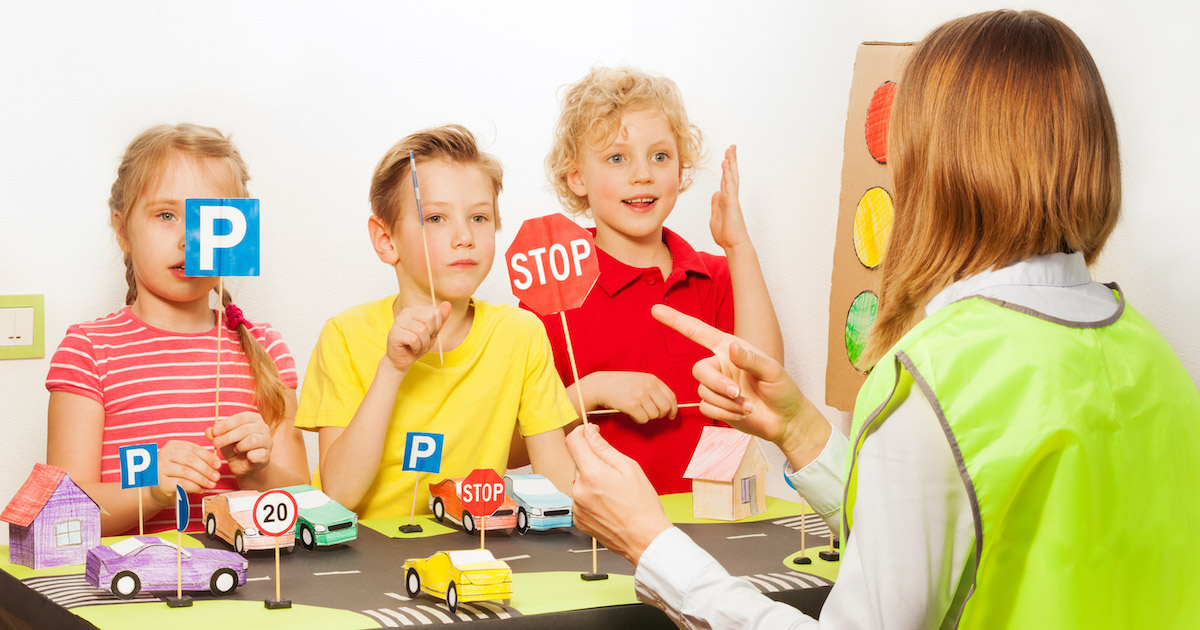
(902, 567)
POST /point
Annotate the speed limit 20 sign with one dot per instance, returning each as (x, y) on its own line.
(275, 512)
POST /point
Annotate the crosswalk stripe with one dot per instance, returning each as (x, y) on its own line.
(498, 610)
(479, 614)
(425, 621)
(762, 585)
(403, 598)
(382, 618)
(396, 613)
(783, 585)
(437, 613)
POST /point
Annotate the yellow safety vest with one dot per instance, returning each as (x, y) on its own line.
(1079, 447)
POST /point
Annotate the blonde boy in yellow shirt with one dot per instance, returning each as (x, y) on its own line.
(375, 373)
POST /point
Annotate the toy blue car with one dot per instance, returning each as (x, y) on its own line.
(540, 505)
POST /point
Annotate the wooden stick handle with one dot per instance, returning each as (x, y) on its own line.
(601, 412)
(574, 368)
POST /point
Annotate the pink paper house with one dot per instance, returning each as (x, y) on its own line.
(51, 522)
(728, 473)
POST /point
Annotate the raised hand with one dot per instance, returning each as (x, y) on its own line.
(727, 224)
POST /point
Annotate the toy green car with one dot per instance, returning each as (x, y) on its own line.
(322, 521)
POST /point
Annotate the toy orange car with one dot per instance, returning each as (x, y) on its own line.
(469, 575)
(231, 517)
(445, 501)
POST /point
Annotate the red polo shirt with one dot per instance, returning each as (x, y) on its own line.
(613, 330)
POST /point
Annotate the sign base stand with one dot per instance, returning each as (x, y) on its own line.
(277, 604)
(179, 602)
(830, 556)
(592, 577)
(411, 529)
(802, 560)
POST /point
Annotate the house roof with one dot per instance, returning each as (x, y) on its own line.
(32, 496)
(718, 454)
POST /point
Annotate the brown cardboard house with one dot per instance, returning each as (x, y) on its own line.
(728, 473)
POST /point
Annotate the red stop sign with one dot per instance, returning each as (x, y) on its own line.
(552, 264)
(482, 492)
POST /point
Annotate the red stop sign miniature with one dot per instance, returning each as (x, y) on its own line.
(275, 512)
(482, 492)
(552, 264)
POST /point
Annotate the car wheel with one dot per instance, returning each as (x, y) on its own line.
(210, 527)
(522, 521)
(307, 538)
(468, 522)
(412, 583)
(126, 584)
(439, 510)
(239, 543)
(452, 597)
(223, 582)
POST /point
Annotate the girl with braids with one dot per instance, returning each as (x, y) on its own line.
(147, 373)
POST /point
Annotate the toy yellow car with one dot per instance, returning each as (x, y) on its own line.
(469, 575)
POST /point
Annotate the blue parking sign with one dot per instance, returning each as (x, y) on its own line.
(423, 452)
(221, 237)
(139, 465)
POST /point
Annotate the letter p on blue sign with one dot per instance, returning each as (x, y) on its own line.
(220, 237)
(139, 465)
(423, 452)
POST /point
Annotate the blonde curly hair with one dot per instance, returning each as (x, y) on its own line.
(591, 117)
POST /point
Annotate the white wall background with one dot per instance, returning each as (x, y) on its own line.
(314, 95)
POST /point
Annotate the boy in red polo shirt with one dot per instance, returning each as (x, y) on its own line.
(623, 152)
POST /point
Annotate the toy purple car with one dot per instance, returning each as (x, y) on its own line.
(148, 563)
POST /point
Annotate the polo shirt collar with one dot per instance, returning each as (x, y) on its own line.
(616, 275)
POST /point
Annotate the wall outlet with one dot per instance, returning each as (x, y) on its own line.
(22, 327)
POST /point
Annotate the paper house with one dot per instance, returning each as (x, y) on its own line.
(51, 522)
(728, 473)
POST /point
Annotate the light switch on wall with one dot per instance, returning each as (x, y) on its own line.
(22, 324)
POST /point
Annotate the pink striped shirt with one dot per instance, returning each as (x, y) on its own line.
(156, 386)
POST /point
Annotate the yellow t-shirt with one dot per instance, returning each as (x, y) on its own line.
(500, 376)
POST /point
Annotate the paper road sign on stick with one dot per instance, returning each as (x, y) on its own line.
(221, 237)
(552, 264)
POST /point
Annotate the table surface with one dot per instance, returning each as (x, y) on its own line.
(360, 584)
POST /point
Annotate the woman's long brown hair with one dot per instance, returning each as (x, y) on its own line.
(1003, 147)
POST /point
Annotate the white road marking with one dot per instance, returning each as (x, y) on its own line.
(396, 614)
(258, 579)
(399, 597)
(381, 618)
(520, 557)
(337, 572)
(437, 613)
(586, 550)
(499, 610)
(745, 536)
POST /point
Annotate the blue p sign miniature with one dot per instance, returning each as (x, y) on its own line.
(423, 452)
(139, 465)
(220, 237)
(181, 508)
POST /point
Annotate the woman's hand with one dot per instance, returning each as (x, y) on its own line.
(750, 391)
(613, 499)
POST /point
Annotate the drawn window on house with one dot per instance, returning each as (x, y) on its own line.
(746, 490)
(68, 533)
